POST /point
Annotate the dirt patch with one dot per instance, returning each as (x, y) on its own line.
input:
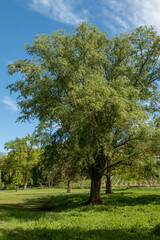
(14, 233)
(3, 223)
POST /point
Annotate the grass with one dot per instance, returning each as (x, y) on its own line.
(126, 215)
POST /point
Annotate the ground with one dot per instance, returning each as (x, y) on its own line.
(52, 214)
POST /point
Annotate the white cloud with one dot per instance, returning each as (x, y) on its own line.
(132, 13)
(9, 102)
(59, 10)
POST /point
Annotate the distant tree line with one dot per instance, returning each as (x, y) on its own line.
(29, 164)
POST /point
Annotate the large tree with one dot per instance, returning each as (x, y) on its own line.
(99, 91)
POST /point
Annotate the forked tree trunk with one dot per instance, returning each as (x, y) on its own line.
(69, 186)
(24, 186)
(108, 182)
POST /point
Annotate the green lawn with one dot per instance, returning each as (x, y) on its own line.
(125, 215)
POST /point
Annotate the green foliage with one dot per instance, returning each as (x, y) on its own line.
(144, 164)
(21, 158)
(60, 160)
(17, 178)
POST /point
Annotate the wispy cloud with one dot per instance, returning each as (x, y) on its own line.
(128, 13)
(10, 62)
(10, 103)
(63, 11)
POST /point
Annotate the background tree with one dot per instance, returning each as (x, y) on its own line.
(143, 165)
(21, 158)
(99, 91)
(128, 153)
(2, 163)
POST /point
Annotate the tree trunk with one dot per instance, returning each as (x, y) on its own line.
(0, 176)
(17, 188)
(95, 191)
(108, 182)
(24, 186)
(156, 183)
(95, 195)
(69, 186)
(49, 183)
(96, 173)
(128, 185)
(80, 185)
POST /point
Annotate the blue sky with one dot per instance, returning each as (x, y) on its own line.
(21, 20)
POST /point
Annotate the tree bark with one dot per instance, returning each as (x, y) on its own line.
(69, 186)
(95, 195)
(96, 172)
(80, 185)
(24, 186)
(49, 183)
(108, 182)
(17, 188)
(128, 185)
(95, 191)
(0, 176)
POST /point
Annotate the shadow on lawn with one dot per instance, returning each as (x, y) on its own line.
(21, 211)
(77, 233)
(68, 202)
(33, 209)
(131, 200)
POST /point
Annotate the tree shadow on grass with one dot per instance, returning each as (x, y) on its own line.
(22, 211)
(66, 202)
(76, 201)
(69, 202)
(131, 200)
(33, 209)
(77, 233)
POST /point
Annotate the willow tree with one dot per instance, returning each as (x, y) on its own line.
(98, 90)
